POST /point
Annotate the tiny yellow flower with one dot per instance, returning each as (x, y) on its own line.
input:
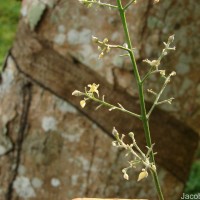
(82, 103)
(94, 88)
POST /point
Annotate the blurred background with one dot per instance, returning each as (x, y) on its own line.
(9, 17)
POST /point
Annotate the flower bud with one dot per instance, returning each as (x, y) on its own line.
(131, 134)
(126, 176)
(171, 39)
(101, 55)
(125, 45)
(105, 40)
(142, 175)
(173, 73)
(77, 93)
(162, 72)
(114, 132)
(114, 143)
(95, 39)
(153, 167)
(108, 49)
(155, 63)
(82, 103)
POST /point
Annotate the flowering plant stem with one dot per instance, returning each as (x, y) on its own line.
(144, 117)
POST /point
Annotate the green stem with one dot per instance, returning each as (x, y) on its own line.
(106, 104)
(102, 4)
(141, 96)
(128, 4)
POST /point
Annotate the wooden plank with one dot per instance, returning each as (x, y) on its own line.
(175, 142)
(104, 199)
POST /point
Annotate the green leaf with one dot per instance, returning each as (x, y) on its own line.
(35, 14)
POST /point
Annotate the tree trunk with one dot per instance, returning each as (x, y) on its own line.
(51, 148)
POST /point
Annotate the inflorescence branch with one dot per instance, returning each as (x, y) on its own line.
(154, 64)
(90, 3)
(104, 47)
(90, 95)
(139, 156)
(156, 102)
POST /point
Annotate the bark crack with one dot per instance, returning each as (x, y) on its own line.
(26, 90)
(90, 167)
(145, 25)
(39, 83)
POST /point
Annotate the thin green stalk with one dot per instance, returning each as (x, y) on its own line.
(101, 4)
(128, 4)
(141, 96)
(112, 106)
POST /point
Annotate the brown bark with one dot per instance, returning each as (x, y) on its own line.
(54, 149)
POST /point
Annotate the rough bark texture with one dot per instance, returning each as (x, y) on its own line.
(52, 149)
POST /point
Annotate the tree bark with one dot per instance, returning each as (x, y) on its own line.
(51, 148)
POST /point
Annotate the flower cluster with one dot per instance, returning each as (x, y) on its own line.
(93, 89)
(87, 2)
(139, 156)
(155, 63)
(93, 94)
(103, 46)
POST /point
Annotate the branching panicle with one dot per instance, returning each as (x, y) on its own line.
(92, 94)
(138, 156)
